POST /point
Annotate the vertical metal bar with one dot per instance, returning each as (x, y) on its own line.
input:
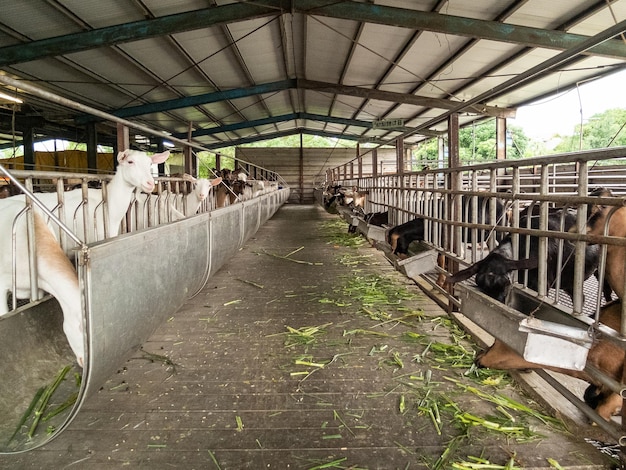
(61, 214)
(28, 213)
(542, 286)
(515, 190)
(581, 246)
(87, 224)
(491, 241)
(456, 183)
(105, 214)
(476, 239)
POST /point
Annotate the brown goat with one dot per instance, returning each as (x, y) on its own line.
(359, 198)
(615, 254)
(604, 355)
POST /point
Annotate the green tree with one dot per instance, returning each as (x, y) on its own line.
(308, 140)
(427, 151)
(477, 143)
(606, 129)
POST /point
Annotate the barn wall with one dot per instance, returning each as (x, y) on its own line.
(303, 176)
(63, 160)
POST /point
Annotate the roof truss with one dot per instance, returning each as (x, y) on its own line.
(347, 9)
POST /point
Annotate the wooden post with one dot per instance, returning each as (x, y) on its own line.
(188, 164)
(400, 156)
(123, 140)
(28, 137)
(500, 138)
(455, 185)
(301, 170)
(160, 148)
(375, 163)
(92, 148)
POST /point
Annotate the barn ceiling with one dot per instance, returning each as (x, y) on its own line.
(234, 72)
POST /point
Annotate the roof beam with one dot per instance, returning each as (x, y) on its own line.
(456, 25)
(284, 118)
(274, 120)
(241, 11)
(275, 135)
(323, 87)
(137, 30)
(402, 98)
(197, 100)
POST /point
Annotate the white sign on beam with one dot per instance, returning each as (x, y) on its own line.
(387, 123)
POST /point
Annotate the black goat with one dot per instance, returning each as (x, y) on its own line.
(377, 218)
(483, 215)
(401, 236)
(493, 273)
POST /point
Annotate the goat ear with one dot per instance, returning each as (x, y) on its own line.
(526, 263)
(188, 177)
(216, 181)
(464, 274)
(160, 157)
(121, 156)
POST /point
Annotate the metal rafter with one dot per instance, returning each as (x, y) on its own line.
(323, 87)
(506, 13)
(346, 64)
(283, 118)
(406, 47)
(86, 26)
(598, 5)
(533, 73)
(350, 10)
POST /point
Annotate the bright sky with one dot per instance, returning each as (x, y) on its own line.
(561, 113)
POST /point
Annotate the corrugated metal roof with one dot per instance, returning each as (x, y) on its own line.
(252, 70)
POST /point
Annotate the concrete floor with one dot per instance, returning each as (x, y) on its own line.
(280, 362)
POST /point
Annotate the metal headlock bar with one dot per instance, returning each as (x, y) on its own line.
(539, 184)
(123, 298)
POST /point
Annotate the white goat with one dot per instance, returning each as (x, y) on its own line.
(55, 273)
(134, 171)
(150, 206)
(258, 188)
(200, 192)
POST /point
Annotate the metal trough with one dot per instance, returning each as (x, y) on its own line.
(348, 216)
(423, 259)
(131, 284)
(549, 336)
(372, 232)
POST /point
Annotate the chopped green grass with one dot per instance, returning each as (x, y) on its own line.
(304, 335)
(336, 232)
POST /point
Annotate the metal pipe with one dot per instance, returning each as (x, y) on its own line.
(529, 75)
(41, 206)
(542, 286)
(580, 246)
(615, 386)
(606, 426)
(54, 98)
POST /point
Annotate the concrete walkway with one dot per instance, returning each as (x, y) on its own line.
(304, 352)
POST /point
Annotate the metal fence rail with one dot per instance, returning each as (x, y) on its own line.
(129, 284)
(458, 206)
